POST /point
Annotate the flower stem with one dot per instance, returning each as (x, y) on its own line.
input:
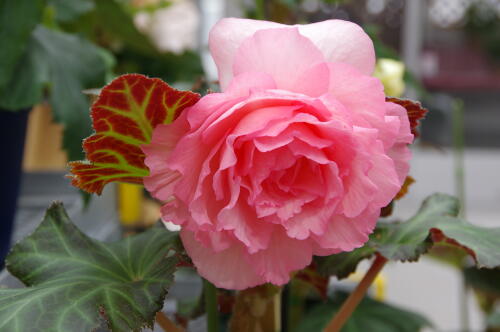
(211, 306)
(277, 310)
(166, 324)
(356, 296)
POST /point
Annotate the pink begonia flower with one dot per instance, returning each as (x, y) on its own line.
(294, 158)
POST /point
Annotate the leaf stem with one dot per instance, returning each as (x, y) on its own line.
(166, 324)
(211, 306)
(356, 296)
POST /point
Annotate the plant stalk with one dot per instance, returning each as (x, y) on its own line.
(458, 149)
(211, 306)
(459, 163)
(348, 307)
(166, 324)
(260, 9)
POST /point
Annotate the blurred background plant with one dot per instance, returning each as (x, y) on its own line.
(444, 52)
(53, 50)
(58, 48)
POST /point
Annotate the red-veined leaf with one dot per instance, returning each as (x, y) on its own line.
(415, 112)
(124, 116)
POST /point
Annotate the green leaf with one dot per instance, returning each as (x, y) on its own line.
(74, 64)
(435, 222)
(76, 283)
(114, 18)
(25, 88)
(370, 315)
(343, 264)
(66, 11)
(18, 18)
(486, 281)
(66, 64)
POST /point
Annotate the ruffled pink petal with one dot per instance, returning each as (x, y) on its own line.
(361, 95)
(375, 180)
(283, 256)
(401, 155)
(264, 165)
(177, 212)
(237, 216)
(311, 219)
(360, 189)
(404, 134)
(229, 268)
(399, 152)
(217, 241)
(346, 234)
(161, 179)
(187, 158)
(284, 54)
(383, 174)
(210, 107)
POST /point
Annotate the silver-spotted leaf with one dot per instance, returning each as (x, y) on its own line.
(75, 283)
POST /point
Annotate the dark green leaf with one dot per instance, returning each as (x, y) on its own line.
(67, 65)
(78, 284)
(343, 264)
(114, 18)
(484, 280)
(435, 222)
(169, 67)
(25, 88)
(68, 10)
(370, 315)
(74, 64)
(18, 18)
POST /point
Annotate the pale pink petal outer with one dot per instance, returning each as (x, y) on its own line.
(242, 85)
(285, 55)
(225, 38)
(342, 41)
(339, 41)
